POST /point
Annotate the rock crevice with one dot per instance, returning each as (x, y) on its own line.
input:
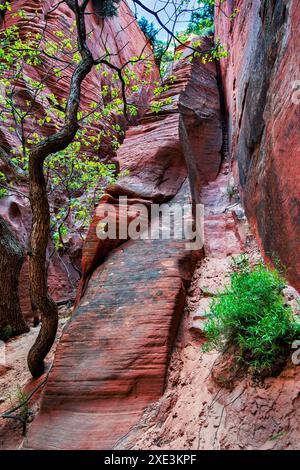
(259, 79)
(41, 18)
(113, 357)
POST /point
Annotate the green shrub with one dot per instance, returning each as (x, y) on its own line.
(251, 315)
(5, 332)
(22, 402)
(106, 8)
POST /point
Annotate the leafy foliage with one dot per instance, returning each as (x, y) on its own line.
(3, 190)
(22, 401)
(79, 169)
(162, 53)
(5, 6)
(251, 315)
(73, 173)
(201, 24)
(202, 19)
(148, 28)
(106, 8)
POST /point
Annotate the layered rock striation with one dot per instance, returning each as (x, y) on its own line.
(261, 82)
(113, 357)
(53, 20)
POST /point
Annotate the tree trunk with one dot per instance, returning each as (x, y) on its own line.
(37, 267)
(12, 322)
(39, 202)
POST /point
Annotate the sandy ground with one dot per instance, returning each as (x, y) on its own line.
(197, 412)
(15, 377)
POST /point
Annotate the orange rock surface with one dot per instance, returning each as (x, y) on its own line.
(113, 356)
(114, 34)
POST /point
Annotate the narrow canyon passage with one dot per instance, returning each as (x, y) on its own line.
(186, 416)
(124, 126)
(129, 372)
(205, 405)
(113, 356)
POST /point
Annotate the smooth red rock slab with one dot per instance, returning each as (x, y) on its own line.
(113, 357)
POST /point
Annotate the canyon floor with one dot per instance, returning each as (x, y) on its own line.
(16, 383)
(205, 405)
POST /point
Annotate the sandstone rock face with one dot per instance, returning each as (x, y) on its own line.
(114, 34)
(111, 34)
(16, 212)
(113, 356)
(261, 77)
(62, 276)
(207, 405)
(184, 139)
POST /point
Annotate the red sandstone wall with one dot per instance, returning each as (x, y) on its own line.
(113, 356)
(117, 35)
(259, 78)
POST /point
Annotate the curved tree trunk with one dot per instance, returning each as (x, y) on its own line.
(39, 201)
(12, 322)
(37, 267)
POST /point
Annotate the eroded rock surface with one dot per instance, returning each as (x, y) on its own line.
(207, 405)
(261, 82)
(113, 357)
(114, 34)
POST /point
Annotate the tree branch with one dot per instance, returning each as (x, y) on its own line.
(10, 169)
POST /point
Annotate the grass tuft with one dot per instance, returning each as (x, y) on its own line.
(251, 316)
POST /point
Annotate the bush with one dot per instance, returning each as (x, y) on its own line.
(202, 18)
(5, 332)
(251, 316)
(106, 8)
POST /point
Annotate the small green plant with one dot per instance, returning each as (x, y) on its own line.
(23, 403)
(20, 404)
(251, 316)
(5, 332)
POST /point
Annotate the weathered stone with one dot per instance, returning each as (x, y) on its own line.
(260, 78)
(113, 356)
(115, 35)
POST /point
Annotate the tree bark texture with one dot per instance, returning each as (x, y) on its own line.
(12, 322)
